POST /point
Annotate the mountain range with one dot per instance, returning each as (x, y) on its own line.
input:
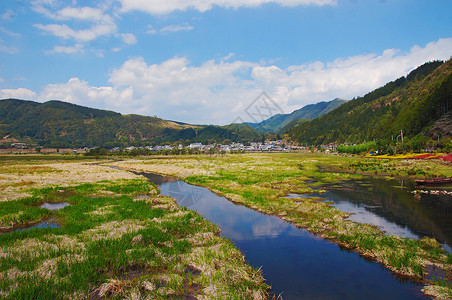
(408, 106)
(60, 124)
(283, 122)
(420, 103)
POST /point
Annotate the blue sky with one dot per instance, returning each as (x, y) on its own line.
(206, 61)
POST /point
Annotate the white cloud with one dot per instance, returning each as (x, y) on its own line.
(19, 93)
(67, 49)
(7, 49)
(129, 38)
(81, 35)
(100, 23)
(91, 14)
(345, 77)
(99, 52)
(151, 30)
(218, 91)
(10, 50)
(169, 29)
(175, 28)
(168, 6)
(2, 80)
(79, 92)
(209, 93)
(188, 92)
(8, 32)
(8, 15)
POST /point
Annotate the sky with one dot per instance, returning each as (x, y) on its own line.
(209, 61)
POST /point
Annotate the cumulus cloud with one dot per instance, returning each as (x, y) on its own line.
(219, 91)
(210, 92)
(168, 6)
(19, 93)
(190, 92)
(345, 77)
(80, 92)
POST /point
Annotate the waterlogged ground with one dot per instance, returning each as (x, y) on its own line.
(114, 237)
(296, 263)
(263, 182)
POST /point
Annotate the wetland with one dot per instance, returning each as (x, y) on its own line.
(295, 263)
(253, 226)
(268, 182)
(119, 238)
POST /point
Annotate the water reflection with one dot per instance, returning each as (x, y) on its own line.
(51, 223)
(45, 224)
(391, 205)
(157, 179)
(55, 206)
(295, 262)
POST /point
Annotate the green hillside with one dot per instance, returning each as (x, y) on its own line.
(283, 122)
(243, 130)
(412, 104)
(61, 124)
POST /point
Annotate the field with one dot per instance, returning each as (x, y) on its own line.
(117, 238)
(262, 182)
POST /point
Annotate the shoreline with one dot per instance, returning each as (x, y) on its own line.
(325, 230)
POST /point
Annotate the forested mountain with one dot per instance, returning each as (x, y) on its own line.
(419, 103)
(61, 124)
(283, 122)
(412, 104)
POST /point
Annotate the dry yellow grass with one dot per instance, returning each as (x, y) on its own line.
(12, 185)
(50, 256)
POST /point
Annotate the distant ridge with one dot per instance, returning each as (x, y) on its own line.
(64, 125)
(420, 103)
(281, 122)
(412, 104)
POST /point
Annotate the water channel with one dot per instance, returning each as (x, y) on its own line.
(296, 263)
(392, 206)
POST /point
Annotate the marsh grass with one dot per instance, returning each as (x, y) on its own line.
(414, 168)
(262, 181)
(118, 239)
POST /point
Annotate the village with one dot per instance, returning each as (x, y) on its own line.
(233, 147)
(274, 146)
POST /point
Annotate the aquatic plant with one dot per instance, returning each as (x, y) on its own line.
(262, 181)
(118, 239)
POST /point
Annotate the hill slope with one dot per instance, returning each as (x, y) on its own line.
(280, 122)
(61, 124)
(412, 104)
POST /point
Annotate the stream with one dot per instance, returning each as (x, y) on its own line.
(296, 263)
(392, 206)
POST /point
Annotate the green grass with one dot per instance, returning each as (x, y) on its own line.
(261, 182)
(117, 239)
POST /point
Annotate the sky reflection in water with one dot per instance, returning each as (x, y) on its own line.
(296, 263)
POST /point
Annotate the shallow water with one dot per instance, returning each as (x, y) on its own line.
(45, 224)
(391, 205)
(51, 223)
(296, 263)
(55, 206)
